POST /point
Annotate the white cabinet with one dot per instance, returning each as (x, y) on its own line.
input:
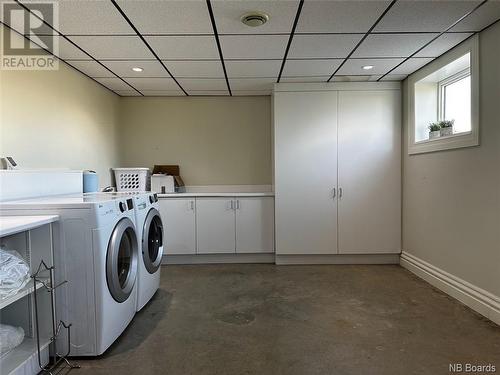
(215, 230)
(255, 225)
(369, 172)
(305, 172)
(338, 169)
(179, 224)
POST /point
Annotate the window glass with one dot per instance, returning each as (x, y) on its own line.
(457, 104)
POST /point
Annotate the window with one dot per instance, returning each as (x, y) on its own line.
(443, 101)
(455, 101)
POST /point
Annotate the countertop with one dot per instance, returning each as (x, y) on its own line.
(14, 224)
(217, 194)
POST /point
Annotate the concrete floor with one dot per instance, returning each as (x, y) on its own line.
(266, 319)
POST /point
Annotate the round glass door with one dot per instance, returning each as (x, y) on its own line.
(152, 241)
(121, 260)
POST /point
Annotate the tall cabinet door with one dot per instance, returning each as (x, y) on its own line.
(369, 172)
(305, 139)
(215, 225)
(178, 216)
(255, 225)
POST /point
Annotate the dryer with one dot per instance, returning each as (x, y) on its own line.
(151, 240)
(97, 252)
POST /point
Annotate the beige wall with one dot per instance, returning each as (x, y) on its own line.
(215, 140)
(53, 119)
(451, 199)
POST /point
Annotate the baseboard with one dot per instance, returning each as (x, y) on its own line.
(218, 258)
(338, 259)
(480, 300)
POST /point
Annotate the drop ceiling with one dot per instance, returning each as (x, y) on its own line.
(200, 47)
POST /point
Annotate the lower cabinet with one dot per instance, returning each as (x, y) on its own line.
(218, 225)
(179, 225)
(255, 225)
(215, 230)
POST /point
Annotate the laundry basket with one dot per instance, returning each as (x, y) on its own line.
(132, 179)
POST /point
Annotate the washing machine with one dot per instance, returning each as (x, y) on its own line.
(96, 251)
(150, 236)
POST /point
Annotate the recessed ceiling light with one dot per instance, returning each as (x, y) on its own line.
(137, 69)
(368, 67)
(254, 19)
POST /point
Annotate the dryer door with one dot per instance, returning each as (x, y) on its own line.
(152, 241)
(121, 260)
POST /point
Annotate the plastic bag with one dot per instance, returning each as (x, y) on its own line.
(14, 272)
(10, 337)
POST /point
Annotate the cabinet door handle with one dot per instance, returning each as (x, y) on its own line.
(192, 205)
(334, 193)
(232, 205)
(237, 204)
(340, 192)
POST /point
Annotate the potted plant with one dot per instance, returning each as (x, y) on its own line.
(446, 127)
(434, 130)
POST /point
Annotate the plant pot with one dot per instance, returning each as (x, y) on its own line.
(434, 134)
(446, 131)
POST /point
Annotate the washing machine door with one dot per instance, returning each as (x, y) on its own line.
(152, 241)
(121, 260)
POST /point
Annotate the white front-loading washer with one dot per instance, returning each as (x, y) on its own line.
(96, 251)
(150, 235)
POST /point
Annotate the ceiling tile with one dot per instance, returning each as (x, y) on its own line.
(90, 18)
(380, 66)
(252, 93)
(442, 44)
(168, 17)
(323, 46)
(424, 15)
(298, 68)
(252, 84)
(392, 45)
(113, 47)
(162, 93)
(201, 69)
(482, 17)
(394, 77)
(14, 18)
(253, 68)
(327, 16)
(228, 16)
(167, 84)
(306, 79)
(124, 68)
(208, 93)
(114, 83)
(68, 51)
(253, 46)
(127, 93)
(92, 68)
(184, 47)
(203, 84)
(411, 65)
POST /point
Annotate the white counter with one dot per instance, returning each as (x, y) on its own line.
(215, 194)
(14, 224)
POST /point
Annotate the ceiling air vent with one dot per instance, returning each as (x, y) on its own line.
(254, 19)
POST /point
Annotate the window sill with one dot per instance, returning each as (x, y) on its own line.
(459, 140)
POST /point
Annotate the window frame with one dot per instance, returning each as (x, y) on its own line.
(459, 140)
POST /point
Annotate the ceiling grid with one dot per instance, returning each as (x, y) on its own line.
(201, 47)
